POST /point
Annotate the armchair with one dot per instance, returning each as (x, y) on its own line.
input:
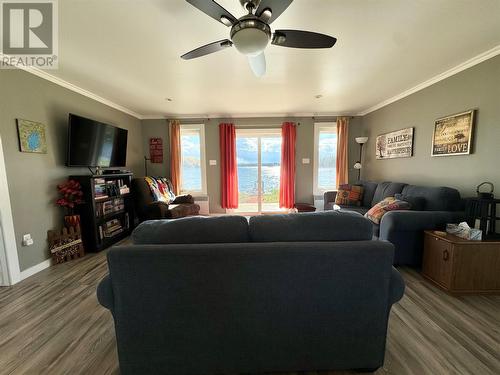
(148, 208)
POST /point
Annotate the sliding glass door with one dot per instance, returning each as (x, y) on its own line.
(258, 153)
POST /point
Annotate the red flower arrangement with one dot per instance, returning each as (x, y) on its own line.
(71, 192)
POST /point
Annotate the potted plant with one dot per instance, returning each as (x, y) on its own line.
(71, 196)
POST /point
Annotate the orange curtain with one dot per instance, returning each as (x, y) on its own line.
(287, 176)
(342, 150)
(228, 166)
(175, 155)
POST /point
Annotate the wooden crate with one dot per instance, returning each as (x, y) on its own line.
(65, 244)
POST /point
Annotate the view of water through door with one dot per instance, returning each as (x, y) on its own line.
(258, 153)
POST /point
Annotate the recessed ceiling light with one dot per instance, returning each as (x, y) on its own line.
(169, 99)
(318, 96)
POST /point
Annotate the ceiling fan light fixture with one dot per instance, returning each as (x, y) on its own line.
(250, 36)
(250, 42)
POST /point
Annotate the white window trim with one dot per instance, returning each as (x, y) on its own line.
(318, 127)
(201, 129)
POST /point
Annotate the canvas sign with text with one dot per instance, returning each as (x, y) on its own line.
(453, 134)
(396, 144)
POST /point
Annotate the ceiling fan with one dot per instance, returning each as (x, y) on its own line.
(251, 33)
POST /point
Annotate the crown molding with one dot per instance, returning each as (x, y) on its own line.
(457, 69)
(247, 115)
(450, 72)
(61, 82)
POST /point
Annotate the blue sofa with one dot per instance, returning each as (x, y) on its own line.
(219, 295)
(405, 229)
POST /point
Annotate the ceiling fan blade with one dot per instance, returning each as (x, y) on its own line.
(275, 6)
(302, 39)
(258, 64)
(207, 49)
(214, 10)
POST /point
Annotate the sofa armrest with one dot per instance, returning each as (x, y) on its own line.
(156, 210)
(396, 287)
(328, 199)
(186, 198)
(105, 293)
(412, 221)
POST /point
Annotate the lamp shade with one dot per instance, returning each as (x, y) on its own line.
(361, 140)
(358, 165)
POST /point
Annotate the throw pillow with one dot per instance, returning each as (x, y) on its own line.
(417, 203)
(376, 213)
(349, 195)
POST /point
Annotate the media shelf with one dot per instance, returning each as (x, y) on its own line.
(107, 216)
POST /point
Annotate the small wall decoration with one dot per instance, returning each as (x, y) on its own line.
(397, 144)
(453, 134)
(156, 150)
(31, 136)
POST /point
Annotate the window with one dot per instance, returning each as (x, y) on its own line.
(325, 157)
(193, 171)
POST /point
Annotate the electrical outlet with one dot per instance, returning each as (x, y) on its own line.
(306, 161)
(27, 240)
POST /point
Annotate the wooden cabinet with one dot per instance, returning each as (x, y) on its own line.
(461, 266)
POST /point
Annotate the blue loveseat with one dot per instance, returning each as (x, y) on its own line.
(219, 295)
(405, 229)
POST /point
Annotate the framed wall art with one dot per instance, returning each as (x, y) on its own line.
(31, 136)
(396, 144)
(156, 150)
(453, 134)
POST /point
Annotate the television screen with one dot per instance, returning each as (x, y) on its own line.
(94, 144)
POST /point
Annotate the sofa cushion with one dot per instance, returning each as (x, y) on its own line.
(381, 208)
(386, 189)
(192, 230)
(369, 188)
(436, 198)
(318, 226)
(351, 195)
(416, 203)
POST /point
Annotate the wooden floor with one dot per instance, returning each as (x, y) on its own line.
(51, 323)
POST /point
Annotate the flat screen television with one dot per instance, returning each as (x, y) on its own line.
(94, 144)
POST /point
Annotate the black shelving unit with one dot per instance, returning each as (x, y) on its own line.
(107, 216)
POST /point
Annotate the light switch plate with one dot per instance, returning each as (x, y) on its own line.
(213, 162)
(306, 161)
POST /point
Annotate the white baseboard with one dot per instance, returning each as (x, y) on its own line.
(36, 268)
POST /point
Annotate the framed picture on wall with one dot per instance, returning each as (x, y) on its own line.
(453, 134)
(31, 136)
(396, 144)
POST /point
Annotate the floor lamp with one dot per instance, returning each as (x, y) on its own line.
(361, 141)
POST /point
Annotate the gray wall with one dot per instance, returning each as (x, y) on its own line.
(305, 149)
(475, 88)
(33, 178)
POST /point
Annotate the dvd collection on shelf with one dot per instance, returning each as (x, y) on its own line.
(103, 209)
(114, 227)
(109, 188)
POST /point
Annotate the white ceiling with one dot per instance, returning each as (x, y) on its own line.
(127, 51)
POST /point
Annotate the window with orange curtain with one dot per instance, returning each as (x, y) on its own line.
(325, 157)
(193, 168)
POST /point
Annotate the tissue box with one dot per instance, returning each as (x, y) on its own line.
(463, 230)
